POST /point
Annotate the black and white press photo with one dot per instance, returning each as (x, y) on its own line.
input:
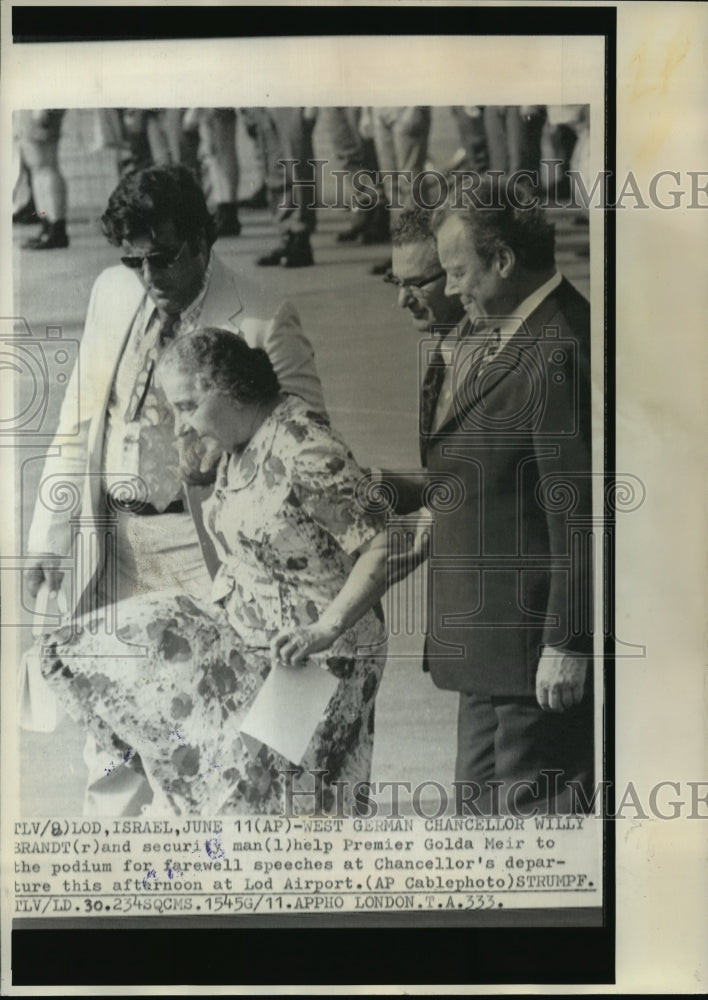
(315, 550)
(307, 510)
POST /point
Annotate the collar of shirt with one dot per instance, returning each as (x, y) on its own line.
(147, 317)
(508, 325)
(238, 470)
(445, 336)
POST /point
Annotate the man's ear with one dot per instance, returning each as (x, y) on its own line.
(200, 245)
(506, 261)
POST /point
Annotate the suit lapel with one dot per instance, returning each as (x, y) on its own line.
(507, 361)
(222, 303)
(118, 312)
(469, 396)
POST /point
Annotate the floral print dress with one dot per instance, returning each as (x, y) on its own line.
(171, 687)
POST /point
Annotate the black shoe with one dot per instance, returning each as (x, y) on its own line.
(374, 235)
(298, 252)
(294, 251)
(227, 222)
(365, 235)
(259, 199)
(371, 226)
(383, 268)
(26, 216)
(377, 228)
(351, 235)
(275, 256)
(53, 237)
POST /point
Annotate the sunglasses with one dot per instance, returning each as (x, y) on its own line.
(160, 260)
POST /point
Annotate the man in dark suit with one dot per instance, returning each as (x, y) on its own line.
(439, 319)
(510, 579)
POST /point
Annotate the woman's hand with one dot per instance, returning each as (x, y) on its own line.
(293, 645)
(364, 586)
(198, 459)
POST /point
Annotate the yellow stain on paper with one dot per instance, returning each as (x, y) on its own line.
(658, 83)
(652, 79)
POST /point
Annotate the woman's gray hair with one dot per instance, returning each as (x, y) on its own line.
(222, 360)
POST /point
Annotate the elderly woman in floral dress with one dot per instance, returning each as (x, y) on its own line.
(303, 566)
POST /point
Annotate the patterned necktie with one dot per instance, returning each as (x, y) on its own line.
(168, 328)
(157, 454)
(429, 393)
(464, 376)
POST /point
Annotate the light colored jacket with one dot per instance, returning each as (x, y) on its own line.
(71, 480)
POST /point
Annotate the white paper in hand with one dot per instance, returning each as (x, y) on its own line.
(289, 707)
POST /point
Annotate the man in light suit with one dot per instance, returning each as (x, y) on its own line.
(510, 577)
(119, 456)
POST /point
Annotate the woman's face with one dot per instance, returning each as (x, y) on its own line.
(208, 412)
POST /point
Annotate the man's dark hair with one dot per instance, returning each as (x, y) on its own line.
(146, 198)
(222, 360)
(412, 225)
(494, 222)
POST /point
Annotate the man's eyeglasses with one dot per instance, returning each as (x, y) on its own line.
(158, 261)
(411, 286)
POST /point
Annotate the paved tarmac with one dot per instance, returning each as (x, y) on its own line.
(367, 357)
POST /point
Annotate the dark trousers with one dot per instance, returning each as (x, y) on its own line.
(218, 157)
(285, 134)
(473, 137)
(514, 742)
(354, 153)
(514, 139)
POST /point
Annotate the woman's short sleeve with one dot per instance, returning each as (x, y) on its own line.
(324, 479)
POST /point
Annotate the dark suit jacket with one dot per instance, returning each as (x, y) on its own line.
(509, 570)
